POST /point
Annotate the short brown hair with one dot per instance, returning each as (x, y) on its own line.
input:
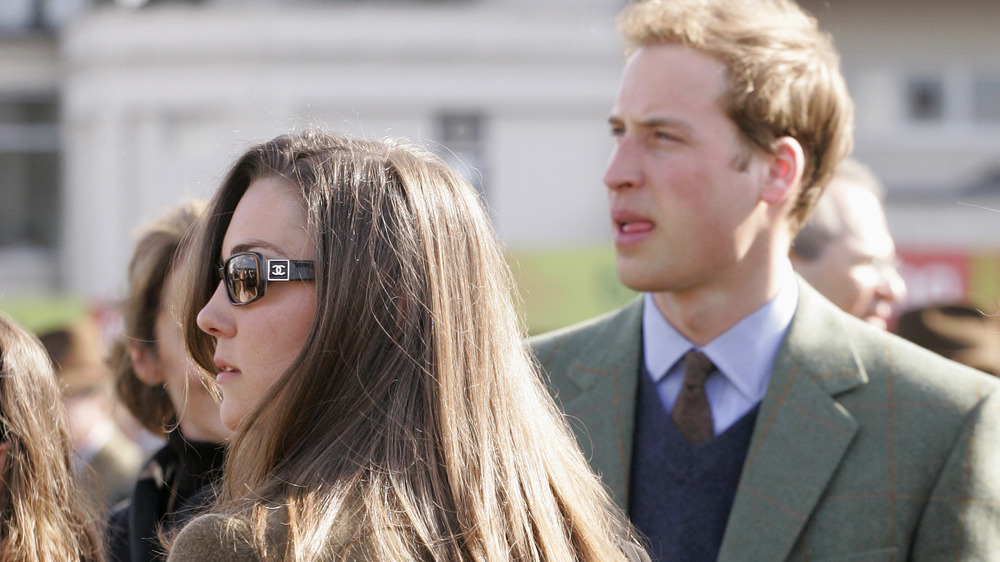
(784, 75)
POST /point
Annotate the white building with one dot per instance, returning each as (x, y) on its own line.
(155, 102)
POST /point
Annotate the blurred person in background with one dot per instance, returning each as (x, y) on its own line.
(44, 515)
(108, 460)
(958, 331)
(163, 389)
(845, 250)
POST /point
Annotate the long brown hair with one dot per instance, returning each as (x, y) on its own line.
(413, 423)
(43, 515)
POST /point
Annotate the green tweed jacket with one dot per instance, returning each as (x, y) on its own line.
(866, 447)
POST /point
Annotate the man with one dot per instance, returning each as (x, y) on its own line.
(845, 250)
(814, 436)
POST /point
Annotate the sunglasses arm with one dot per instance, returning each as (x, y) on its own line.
(289, 270)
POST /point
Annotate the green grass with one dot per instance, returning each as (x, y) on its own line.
(562, 286)
(40, 314)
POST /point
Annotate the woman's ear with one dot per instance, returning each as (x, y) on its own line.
(145, 363)
(4, 447)
(784, 173)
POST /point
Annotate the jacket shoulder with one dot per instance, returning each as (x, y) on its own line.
(915, 371)
(836, 347)
(601, 330)
(214, 537)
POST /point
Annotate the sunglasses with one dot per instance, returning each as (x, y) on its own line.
(245, 282)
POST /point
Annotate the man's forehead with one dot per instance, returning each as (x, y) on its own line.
(675, 71)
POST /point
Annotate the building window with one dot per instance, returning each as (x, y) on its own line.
(18, 15)
(925, 99)
(986, 99)
(27, 16)
(29, 173)
(463, 145)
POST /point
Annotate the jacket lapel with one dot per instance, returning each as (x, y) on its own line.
(608, 367)
(801, 434)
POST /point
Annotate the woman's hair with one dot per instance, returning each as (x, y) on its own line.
(153, 260)
(43, 514)
(413, 423)
(783, 75)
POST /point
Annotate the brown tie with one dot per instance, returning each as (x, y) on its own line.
(692, 414)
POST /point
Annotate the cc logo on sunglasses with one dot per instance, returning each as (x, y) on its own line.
(279, 270)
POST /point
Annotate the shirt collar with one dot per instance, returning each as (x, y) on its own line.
(744, 354)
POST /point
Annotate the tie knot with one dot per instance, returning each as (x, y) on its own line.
(697, 367)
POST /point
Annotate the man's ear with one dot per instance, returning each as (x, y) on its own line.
(784, 172)
(144, 363)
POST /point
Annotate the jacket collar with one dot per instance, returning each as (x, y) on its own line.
(801, 435)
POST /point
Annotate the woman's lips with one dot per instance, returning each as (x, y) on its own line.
(226, 371)
(226, 375)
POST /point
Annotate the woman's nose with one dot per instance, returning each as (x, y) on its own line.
(215, 318)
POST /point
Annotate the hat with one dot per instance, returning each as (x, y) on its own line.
(77, 356)
(957, 331)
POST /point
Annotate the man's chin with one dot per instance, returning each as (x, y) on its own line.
(635, 277)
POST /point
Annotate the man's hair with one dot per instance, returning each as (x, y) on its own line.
(783, 75)
(825, 221)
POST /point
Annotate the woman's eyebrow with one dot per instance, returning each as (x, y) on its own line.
(255, 244)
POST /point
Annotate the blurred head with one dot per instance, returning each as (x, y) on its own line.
(84, 380)
(156, 379)
(782, 76)
(43, 515)
(958, 331)
(376, 382)
(845, 250)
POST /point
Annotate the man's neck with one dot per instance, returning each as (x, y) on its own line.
(705, 312)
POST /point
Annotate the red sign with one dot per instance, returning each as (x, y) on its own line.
(935, 277)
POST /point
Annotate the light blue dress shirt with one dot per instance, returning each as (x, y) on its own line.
(744, 355)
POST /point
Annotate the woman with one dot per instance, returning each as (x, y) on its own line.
(43, 515)
(162, 388)
(385, 407)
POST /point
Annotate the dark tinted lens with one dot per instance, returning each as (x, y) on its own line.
(243, 278)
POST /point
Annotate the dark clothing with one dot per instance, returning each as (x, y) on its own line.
(682, 493)
(173, 485)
